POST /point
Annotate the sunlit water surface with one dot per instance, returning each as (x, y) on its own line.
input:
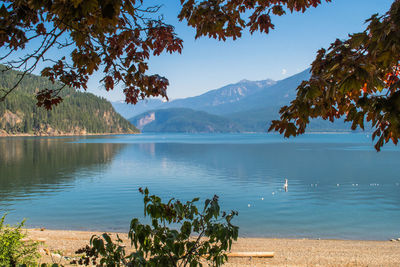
(339, 186)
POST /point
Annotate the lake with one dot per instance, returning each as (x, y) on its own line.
(338, 185)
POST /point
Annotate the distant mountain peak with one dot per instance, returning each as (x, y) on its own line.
(212, 101)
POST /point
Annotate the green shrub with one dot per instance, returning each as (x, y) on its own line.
(13, 250)
(203, 236)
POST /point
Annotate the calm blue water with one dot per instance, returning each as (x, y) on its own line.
(339, 187)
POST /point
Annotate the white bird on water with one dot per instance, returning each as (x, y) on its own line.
(285, 186)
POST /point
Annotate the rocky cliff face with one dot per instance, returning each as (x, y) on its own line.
(10, 118)
(16, 121)
(146, 119)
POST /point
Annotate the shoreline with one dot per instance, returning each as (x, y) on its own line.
(102, 134)
(62, 135)
(288, 252)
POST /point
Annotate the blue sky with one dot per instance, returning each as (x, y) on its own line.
(207, 64)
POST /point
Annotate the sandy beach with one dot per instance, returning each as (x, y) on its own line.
(288, 252)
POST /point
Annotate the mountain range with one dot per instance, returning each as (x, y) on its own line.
(212, 101)
(246, 106)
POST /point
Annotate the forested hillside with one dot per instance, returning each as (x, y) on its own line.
(183, 120)
(79, 113)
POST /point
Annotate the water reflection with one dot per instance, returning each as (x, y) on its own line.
(92, 183)
(29, 165)
(303, 163)
(250, 178)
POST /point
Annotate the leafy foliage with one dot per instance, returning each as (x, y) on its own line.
(117, 37)
(228, 19)
(356, 78)
(13, 250)
(78, 112)
(202, 236)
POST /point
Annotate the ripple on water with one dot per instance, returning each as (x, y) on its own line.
(338, 187)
